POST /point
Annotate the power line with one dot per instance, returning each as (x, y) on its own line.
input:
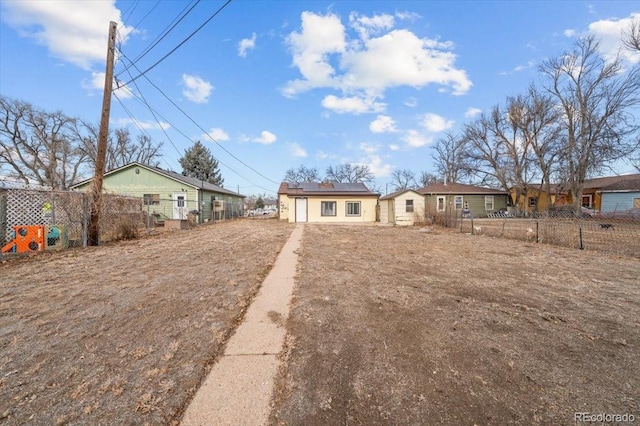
(162, 35)
(155, 113)
(181, 43)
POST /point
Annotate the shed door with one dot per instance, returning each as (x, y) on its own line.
(301, 209)
(392, 210)
(179, 205)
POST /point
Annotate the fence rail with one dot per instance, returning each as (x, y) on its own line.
(615, 234)
(35, 220)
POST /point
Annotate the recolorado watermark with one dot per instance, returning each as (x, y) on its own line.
(604, 418)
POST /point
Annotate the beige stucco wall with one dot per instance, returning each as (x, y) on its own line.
(314, 212)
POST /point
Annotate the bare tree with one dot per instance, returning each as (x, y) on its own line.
(403, 179)
(39, 147)
(450, 158)
(426, 178)
(350, 173)
(487, 155)
(535, 117)
(302, 174)
(596, 98)
(121, 150)
(631, 36)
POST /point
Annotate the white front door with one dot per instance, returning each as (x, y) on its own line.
(301, 209)
(179, 205)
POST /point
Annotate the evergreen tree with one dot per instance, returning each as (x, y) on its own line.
(199, 163)
(260, 203)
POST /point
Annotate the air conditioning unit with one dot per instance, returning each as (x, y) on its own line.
(218, 205)
(56, 237)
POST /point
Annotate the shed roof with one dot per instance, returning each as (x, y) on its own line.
(393, 195)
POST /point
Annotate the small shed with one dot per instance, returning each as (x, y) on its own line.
(404, 207)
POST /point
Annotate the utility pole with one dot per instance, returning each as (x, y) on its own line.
(96, 195)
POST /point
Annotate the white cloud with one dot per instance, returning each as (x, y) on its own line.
(435, 123)
(75, 32)
(569, 33)
(368, 148)
(394, 147)
(353, 105)
(375, 59)
(266, 138)
(377, 167)
(609, 32)
(196, 89)
(246, 44)
(415, 139)
(383, 124)
(216, 134)
(145, 125)
(366, 26)
(297, 150)
(472, 112)
(411, 102)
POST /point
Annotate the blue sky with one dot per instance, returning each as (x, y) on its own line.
(282, 83)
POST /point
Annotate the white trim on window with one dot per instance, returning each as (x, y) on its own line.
(488, 202)
(458, 202)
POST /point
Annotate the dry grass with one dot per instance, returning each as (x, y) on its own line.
(124, 333)
(404, 326)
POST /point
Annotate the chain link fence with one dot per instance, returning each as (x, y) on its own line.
(617, 233)
(36, 220)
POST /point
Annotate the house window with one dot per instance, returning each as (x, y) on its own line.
(441, 203)
(151, 199)
(587, 201)
(532, 201)
(328, 208)
(409, 206)
(636, 203)
(458, 201)
(488, 202)
(353, 208)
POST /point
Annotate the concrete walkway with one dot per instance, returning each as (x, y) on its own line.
(238, 389)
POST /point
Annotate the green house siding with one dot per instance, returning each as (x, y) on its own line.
(161, 190)
(475, 203)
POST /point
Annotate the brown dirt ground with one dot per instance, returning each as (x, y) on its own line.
(405, 326)
(125, 333)
(389, 326)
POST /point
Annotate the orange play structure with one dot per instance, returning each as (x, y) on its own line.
(27, 238)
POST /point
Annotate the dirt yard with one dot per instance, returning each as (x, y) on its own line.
(124, 333)
(397, 326)
(409, 326)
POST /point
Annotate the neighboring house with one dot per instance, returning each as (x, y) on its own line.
(473, 200)
(326, 202)
(593, 194)
(620, 196)
(535, 199)
(170, 196)
(404, 207)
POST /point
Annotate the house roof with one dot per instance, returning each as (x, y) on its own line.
(325, 188)
(193, 182)
(607, 183)
(396, 193)
(626, 185)
(457, 189)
